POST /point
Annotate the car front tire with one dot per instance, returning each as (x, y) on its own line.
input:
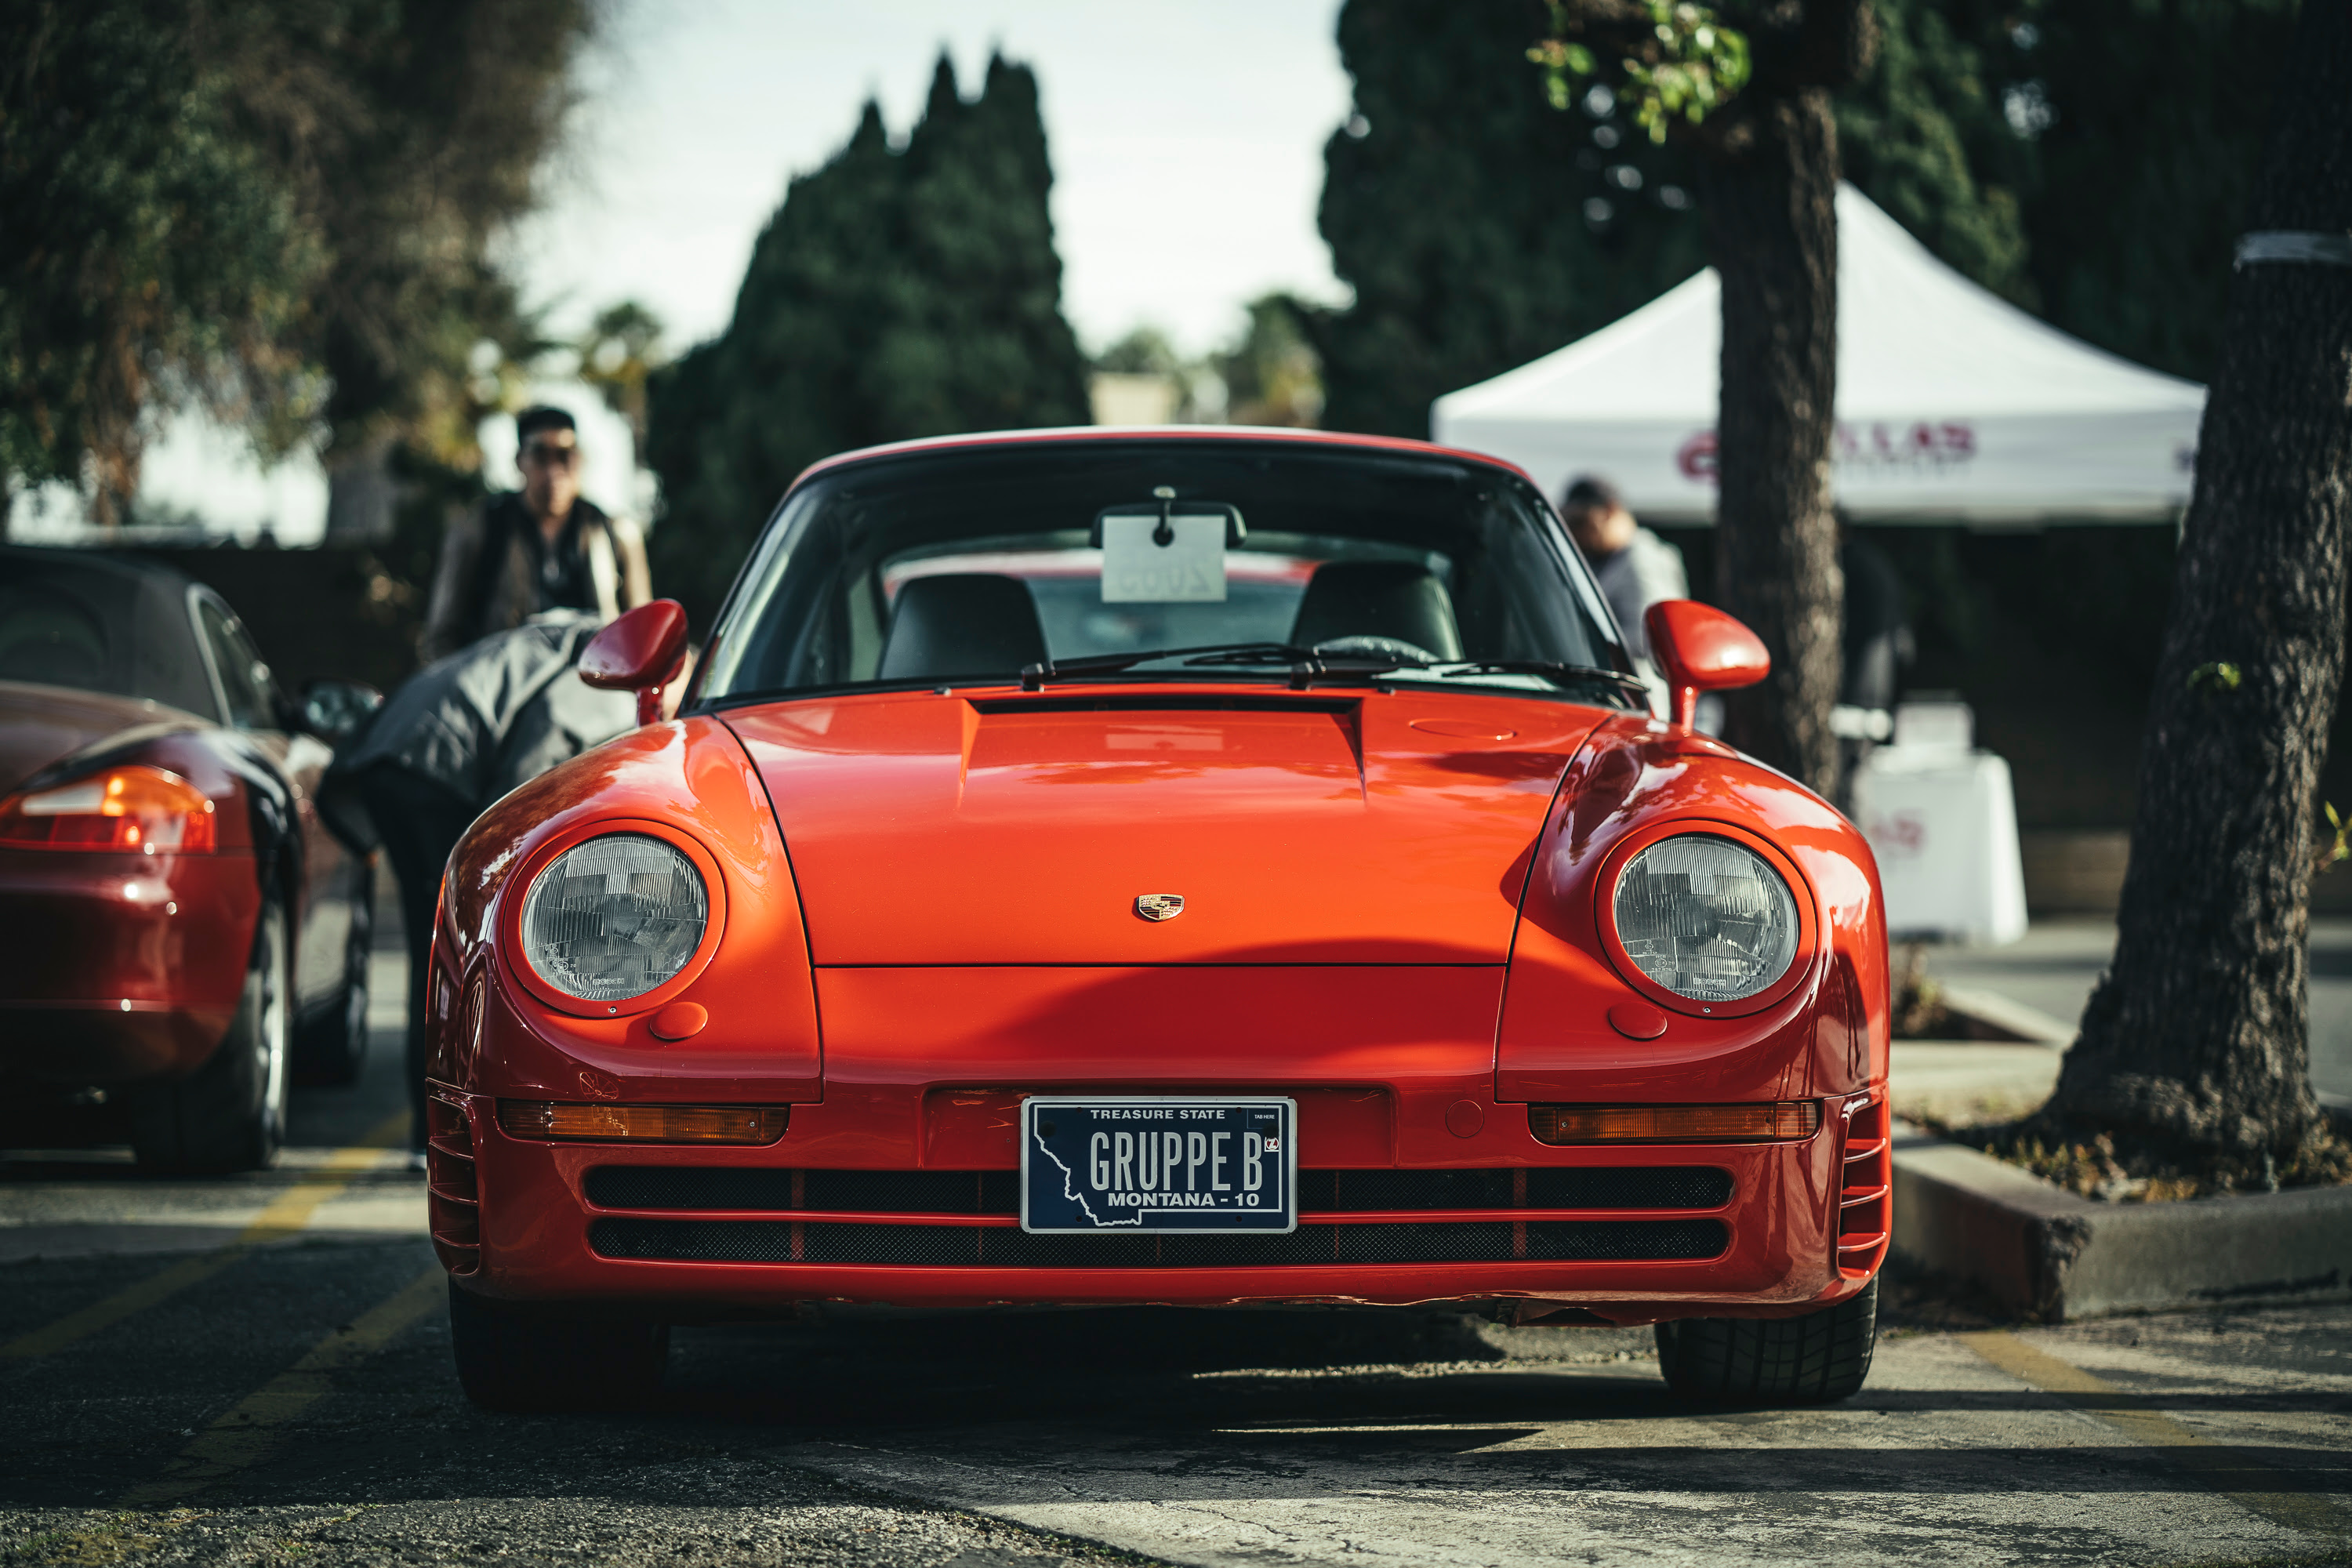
(516, 1357)
(1812, 1360)
(230, 1113)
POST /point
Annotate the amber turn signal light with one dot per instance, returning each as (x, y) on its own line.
(644, 1124)
(1761, 1122)
(133, 808)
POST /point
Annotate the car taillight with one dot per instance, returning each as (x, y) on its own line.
(137, 809)
(1763, 1121)
(649, 1123)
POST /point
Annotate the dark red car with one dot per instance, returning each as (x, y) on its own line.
(184, 933)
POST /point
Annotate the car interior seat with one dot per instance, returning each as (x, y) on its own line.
(1391, 601)
(970, 622)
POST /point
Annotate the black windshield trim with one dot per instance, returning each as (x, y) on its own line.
(964, 686)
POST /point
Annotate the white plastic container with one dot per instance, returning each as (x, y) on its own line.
(1942, 816)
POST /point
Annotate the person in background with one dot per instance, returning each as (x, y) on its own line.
(451, 739)
(1635, 567)
(1878, 646)
(544, 548)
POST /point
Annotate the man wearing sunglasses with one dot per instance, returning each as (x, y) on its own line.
(544, 548)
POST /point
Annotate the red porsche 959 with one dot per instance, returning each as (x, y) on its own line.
(1096, 868)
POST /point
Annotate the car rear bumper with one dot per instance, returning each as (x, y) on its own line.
(120, 967)
(518, 1219)
(104, 1044)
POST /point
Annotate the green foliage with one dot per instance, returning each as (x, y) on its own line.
(1925, 136)
(1272, 376)
(415, 130)
(1146, 351)
(621, 349)
(1688, 66)
(2216, 677)
(2148, 119)
(280, 209)
(1478, 228)
(2085, 160)
(144, 238)
(895, 294)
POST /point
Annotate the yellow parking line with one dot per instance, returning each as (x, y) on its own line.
(2228, 1472)
(243, 1436)
(289, 1212)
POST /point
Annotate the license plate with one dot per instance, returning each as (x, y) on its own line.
(1227, 1164)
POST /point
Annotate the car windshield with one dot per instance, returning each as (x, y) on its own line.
(1165, 559)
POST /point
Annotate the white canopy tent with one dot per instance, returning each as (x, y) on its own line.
(1951, 402)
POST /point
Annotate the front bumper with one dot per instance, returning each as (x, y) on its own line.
(515, 1219)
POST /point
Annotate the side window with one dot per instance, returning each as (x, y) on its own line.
(243, 677)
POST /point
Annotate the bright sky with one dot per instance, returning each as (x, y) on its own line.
(1186, 135)
(1187, 140)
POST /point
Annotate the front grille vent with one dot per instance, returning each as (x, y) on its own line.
(718, 1187)
(1167, 703)
(943, 1246)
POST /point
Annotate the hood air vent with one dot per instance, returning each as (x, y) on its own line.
(1166, 702)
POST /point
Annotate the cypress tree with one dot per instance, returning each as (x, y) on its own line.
(893, 294)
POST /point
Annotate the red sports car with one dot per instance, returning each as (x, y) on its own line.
(183, 933)
(1196, 867)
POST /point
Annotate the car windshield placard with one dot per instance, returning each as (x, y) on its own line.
(1123, 1166)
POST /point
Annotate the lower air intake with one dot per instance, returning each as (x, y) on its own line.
(999, 1191)
(1000, 1246)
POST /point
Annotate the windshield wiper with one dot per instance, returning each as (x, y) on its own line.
(1456, 670)
(1035, 676)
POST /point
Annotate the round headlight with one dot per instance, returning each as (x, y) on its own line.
(614, 916)
(1705, 918)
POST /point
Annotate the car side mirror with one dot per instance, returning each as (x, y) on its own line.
(333, 711)
(643, 652)
(1699, 648)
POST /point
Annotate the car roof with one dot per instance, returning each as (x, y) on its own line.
(137, 568)
(141, 640)
(1236, 434)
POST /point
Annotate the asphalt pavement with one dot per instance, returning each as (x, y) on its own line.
(257, 1370)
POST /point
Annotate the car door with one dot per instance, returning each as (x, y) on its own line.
(330, 878)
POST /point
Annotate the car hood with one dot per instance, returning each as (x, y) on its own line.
(1383, 828)
(42, 724)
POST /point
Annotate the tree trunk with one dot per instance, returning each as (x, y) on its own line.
(2198, 1035)
(1768, 197)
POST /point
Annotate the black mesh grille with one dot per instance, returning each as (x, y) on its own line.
(1555, 1187)
(999, 1191)
(867, 1191)
(771, 1241)
(1628, 1187)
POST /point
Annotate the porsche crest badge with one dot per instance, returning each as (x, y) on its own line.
(1159, 906)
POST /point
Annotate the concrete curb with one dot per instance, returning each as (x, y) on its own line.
(1996, 1017)
(2038, 1249)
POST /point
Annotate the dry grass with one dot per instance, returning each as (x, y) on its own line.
(2122, 1169)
